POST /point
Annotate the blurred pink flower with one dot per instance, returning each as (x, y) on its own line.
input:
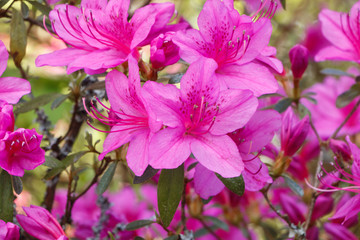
(342, 31)
(11, 88)
(339, 232)
(100, 34)
(41, 224)
(9, 231)
(198, 117)
(20, 150)
(234, 43)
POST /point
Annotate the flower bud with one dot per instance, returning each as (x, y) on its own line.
(41, 224)
(293, 133)
(9, 231)
(299, 56)
(163, 51)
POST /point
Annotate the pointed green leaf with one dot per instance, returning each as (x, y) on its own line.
(3, 3)
(347, 97)
(44, 9)
(283, 104)
(58, 101)
(6, 197)
(18, 37)
(336, 72)
(52, 162)
(106, 178)
(236, 184)
(169, 191)
(17, 184)
(35, 103)
(148, 174)
(172, 237)
(296, 188)
(24, 10)
(217, 222)
(283, 3)
(138, 224)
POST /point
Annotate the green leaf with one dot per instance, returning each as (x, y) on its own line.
(3, 3)
(203, 231)
(217, 222)
(270, 95)
(176, 78)
(336, 72)
(293, 185)
(303, 111)
(72, 158)
(52, 162)
(18, 38)
(173, 237)
(169, 192)
(138, 224)
(17, 184)
(35, 103)
(6, 197)
(106, 178)
(148, 174)
(139, 238)
(44, 9)
(235, 184)
(58, 101)
(111, 236)
(347, 97)
(24, 10)
(283, 104)
(283, 3)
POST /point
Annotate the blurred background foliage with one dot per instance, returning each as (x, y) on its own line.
(289, 28)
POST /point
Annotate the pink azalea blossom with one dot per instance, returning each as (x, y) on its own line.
(11, 88)
(20, 150)
(9, 231)
(7, 119)
(314, 40)
(41, 224)
(342, 31)
(325, 115)
(263, 6)
(100, 35)
(163, 51)
(198, 117)
(339, 232)
(130, 118)
(235, 44)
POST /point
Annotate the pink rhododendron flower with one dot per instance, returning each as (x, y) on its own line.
(100, 34)
(293, 132)
(339, 232)
(299, 57)
(314, 40)
(41, 224)
(9, 231)
(198, 117)
(325, 115)
(264, 6)
(11, 88)
(342, 31)
(234, 43)
(7, 119)
(131, 120)
(163, 51)
(20, 150)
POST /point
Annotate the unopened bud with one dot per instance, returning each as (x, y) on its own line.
(299, 56)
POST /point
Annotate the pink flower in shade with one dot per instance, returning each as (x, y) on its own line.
(130, 118)
(235, 44)
(299, 57)
(250, 140)
(339, 232)
(314, 40)
(163, 51)
(198, 117)
(41, 224)
(325, 115)
(11, 88)
(342, 31)
(293, 132)
(7, 119)
(20, 150)
(100, 34)
(9, 231)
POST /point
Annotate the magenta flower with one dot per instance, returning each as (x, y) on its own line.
(325, 115)
(299, 57)
(339, 232)
(198, 117)
(11, 88)
(41, 224)
(7, 119)
(9, 231)
(293, 132)
(130, 118)
(268, 7)
(235, 43)
(163, 51)
(20, 150)
(100, 34)
(342, 31)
